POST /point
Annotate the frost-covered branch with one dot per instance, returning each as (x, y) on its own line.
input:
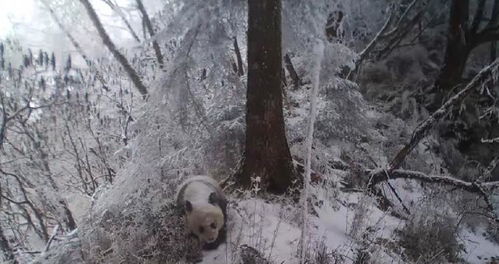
(363, 54)
(392, 31)
(76, 45)
(481, 188)
(6, 117)
(54, 233)
(113, 49)
(120, 13)
(491, 140)
(148, 25)
(423, 128)
(41, 230)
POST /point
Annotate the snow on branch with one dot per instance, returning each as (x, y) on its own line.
(480, 188)
(134, 76)
(77, 46)
(423, 128)
(491, 140)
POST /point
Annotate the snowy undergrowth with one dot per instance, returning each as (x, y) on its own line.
(273, 228)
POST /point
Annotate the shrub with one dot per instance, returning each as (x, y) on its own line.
(430, 238)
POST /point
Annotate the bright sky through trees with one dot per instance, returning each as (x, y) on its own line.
(13, 13)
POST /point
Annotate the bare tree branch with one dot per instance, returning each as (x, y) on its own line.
(112, 48)
(148, 24)
(54, 233)
(120, 13)
(363, 54)
(380, 175)
(240, 69)
(291, 70)
(76, 45)
(492, 140)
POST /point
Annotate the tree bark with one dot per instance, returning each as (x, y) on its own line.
(267, 153)
(457, 50)
(148, 24)
(110, 45)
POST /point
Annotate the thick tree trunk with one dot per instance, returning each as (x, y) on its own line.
(148, 24)
(457, 51)
(458, 44)
(267, 153)
(110, 45)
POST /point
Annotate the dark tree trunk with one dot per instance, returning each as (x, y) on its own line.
(458, 48)
(110, 45)
(267, 153)
(457, 51)
(148, 24)
(8, 253)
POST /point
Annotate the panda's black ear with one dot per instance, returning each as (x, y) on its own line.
(188, 206)
(213, 198)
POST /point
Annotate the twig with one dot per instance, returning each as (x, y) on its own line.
(380, 175)
(148, 25)
(363, 54)
(396, 194)
(492, 140)
(120, 13)
(54, 233)
(240, 69)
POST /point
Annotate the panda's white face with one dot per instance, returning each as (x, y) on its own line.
(205, 222)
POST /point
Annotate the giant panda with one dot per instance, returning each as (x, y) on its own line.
(204, 204)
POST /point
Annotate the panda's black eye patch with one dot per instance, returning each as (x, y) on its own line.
(201, 229)
(213, 225)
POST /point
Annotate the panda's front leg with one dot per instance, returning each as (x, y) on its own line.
(193, 251)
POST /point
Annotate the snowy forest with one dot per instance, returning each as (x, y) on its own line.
(340, 131)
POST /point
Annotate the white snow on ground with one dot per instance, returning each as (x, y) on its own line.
(269, 228)
(274, 230)
(478, 248)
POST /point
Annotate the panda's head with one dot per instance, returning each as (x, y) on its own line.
(205, 219)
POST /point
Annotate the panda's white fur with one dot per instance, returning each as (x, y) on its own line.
(204, 204)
